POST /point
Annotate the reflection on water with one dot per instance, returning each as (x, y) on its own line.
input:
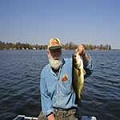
(19, 84)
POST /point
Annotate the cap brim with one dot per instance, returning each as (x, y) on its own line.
(55, 47)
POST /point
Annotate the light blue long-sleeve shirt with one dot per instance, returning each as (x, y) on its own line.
(56, 90)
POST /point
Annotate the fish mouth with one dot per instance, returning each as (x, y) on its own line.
(76, 58)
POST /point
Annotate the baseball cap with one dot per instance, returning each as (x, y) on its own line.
(54, 43)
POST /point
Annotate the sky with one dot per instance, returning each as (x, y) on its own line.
(79, 21)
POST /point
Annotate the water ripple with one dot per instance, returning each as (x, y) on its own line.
(20, 76)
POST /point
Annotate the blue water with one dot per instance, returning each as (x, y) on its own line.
(20, 76)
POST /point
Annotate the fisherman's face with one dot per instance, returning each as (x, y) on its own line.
(54, 57)
(55, 53)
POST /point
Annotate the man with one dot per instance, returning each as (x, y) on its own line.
(57, 94)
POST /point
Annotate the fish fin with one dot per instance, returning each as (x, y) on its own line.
(84, 71)
(79, 72)
(78, 101)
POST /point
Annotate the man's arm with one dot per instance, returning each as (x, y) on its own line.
(86, 58)
(45, 98)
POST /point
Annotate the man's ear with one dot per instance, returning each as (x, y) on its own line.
(48, 53)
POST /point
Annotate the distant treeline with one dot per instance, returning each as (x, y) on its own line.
(69, 46)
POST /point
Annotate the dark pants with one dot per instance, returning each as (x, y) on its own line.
(71, 114)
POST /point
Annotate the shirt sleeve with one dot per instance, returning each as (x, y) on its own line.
(45, 97)
(89, 68)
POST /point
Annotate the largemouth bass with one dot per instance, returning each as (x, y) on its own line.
(77, 75)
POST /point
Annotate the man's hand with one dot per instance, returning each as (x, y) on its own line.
(51, 117)
(81, 50)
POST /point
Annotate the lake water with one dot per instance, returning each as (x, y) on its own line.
(20, 79)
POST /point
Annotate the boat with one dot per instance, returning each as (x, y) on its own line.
(23, 117)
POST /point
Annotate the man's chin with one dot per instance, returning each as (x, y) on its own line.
(55, 64)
